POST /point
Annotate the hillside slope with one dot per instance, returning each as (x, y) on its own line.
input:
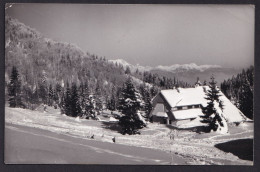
(38, 58)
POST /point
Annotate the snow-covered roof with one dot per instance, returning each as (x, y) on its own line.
(187, 114)
(185, 96)
(193, 123)
(194, 96)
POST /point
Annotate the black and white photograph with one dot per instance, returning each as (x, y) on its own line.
(129, 84)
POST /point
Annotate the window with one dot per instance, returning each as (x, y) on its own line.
(185, 107)
(197, 106)
(179, 108)
(190, 107)
(174, 108)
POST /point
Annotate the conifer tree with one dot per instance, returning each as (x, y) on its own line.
(74, 101)
(90, 106)
(153, 91)
(62, 104)
(127, 71)
(43, 88)
(129, 106)
(58, 93)
(146, 96)
(239, 89)
(43, 94)
(211, 116)
(81, 92)
(98, 98)
(245, 101)
(50, 96)
(148, 105)
(14, 89)
(67, 101)
(111, 104)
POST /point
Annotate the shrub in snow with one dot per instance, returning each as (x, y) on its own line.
(243, 124)
(221, 123)
(77, 119)
(112, 119)
(130, 104)
(222, 129)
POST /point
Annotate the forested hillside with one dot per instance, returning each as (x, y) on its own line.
(240, 89)
(50, 72)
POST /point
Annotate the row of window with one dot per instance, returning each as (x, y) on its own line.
(186, 107)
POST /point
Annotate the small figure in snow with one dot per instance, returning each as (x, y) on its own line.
(93, 136)
(44, 108)
(114, 139)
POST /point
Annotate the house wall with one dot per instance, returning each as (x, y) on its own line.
(160, 105)
(180, 122)
(160, 120)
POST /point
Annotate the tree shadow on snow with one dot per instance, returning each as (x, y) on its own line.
(111, 126)
(243, 148)
(197, 129)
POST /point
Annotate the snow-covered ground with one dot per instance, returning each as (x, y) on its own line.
(198, 149)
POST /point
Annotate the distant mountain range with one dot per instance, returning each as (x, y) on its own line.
(173, 68)
(185, 72)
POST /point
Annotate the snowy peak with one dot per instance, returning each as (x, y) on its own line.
(133, 68)
(187, 67)
(173, 68)
(120, 61)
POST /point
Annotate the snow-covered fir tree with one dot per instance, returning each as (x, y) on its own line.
(14, 89)
(154, 91)
(146, 97)
(83, 91)
(43, 88)
(148, 105)
(213, 111)
(90, 107)
(129, 106)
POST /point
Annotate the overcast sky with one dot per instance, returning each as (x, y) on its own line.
(149, 34)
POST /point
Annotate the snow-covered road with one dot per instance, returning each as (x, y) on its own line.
(195, 148)
(28, 145)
